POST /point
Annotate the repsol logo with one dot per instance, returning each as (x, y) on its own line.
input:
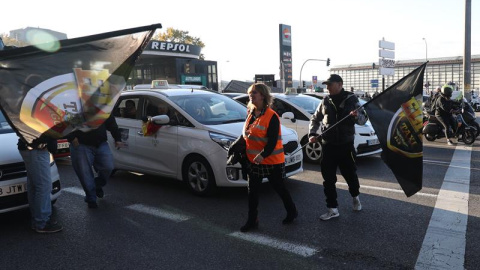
(171, 47)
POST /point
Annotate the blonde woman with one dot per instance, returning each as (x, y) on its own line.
(263, 137)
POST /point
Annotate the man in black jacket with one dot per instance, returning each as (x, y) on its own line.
(337, 115)
(90, 149)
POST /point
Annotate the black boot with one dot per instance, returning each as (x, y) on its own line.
(291, 215)
(251, 224)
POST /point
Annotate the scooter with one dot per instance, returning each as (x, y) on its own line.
(469, 115)
(432, 129)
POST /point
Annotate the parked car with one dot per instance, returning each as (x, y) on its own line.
(197, 127)
(13, 175)
(295, 111)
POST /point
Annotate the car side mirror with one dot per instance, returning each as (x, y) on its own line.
(161, 119)
(289, 115)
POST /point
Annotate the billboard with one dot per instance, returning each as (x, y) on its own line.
(285, 41)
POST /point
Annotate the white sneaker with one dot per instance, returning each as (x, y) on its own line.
(357, 205)
(331, 213)
(449, 142)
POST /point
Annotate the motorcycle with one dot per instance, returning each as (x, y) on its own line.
(432, 129)
(469, 115)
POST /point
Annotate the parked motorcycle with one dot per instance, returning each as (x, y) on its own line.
(432, 129)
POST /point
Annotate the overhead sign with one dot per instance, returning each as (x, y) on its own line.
(386, 45)
(386, 54)
(386, 63)
(386, 71)
(387, 60)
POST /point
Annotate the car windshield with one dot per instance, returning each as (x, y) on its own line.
(308, 103)
(4, 126)
(211, 109)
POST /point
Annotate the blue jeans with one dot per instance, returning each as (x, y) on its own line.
(84, 159)
(39, 185)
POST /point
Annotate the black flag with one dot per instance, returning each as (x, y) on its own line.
(397, 117)
(58, 87)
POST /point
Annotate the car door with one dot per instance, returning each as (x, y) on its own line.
(157, 153)
(128, 124)
(281, 107)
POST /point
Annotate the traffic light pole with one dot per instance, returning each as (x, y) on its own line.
(328, 63)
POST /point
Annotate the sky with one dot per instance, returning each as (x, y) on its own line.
(243, 36)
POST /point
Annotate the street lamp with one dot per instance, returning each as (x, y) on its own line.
(328, 61)
(426, 49)
(427, 85)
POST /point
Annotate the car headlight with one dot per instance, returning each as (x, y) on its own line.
(223, 140)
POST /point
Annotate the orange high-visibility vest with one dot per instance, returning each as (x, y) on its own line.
(257, 139)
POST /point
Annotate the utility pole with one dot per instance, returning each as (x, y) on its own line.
(467, 91)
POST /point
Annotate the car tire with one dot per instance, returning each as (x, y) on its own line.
(312, 152)
(198, 176)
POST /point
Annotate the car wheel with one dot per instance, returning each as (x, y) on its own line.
(312, 152)
(198, 176)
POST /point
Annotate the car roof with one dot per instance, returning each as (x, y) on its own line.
(173, 92)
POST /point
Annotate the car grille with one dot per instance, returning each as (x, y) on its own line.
(293, 167)
(290, 147)
(364, 148)
(12, 171)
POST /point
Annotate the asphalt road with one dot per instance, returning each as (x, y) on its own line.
(146, 222)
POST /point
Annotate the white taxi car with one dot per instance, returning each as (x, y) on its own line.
(191, 144)
(13, 175)
(295, 111)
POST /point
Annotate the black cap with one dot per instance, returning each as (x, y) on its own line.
(333, 78)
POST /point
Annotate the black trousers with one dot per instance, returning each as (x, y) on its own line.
(342, 157)
(447, 123)
(277, 180)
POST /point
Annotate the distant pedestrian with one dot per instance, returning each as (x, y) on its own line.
(264, 149)
(90, 150)
(337, 143)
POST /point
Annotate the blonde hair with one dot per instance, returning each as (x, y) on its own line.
(264, 90)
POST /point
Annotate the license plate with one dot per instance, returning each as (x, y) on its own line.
(13, 189)
(63, 145)
(373, 142)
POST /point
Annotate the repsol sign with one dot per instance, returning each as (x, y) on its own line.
(174, 48)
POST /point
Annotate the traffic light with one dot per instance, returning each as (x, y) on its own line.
(328, 62)
(303, 83)
(373, 65)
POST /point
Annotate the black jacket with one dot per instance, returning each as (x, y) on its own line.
(97, 136)
(331, 110)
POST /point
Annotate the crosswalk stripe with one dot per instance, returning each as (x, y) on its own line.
(444, 244)
(303, 251)
(158, 212)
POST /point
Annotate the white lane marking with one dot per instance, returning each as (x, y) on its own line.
(74, 190)
(303, 251)
(389, 190)
(158, 212)
(444, 243)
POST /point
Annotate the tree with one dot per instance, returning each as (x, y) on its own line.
(179, 36)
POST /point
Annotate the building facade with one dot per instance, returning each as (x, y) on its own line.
(175, 62)
(439, 71)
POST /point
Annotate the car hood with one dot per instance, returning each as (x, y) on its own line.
(9, 153)
(235, 129)
(367, 128)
